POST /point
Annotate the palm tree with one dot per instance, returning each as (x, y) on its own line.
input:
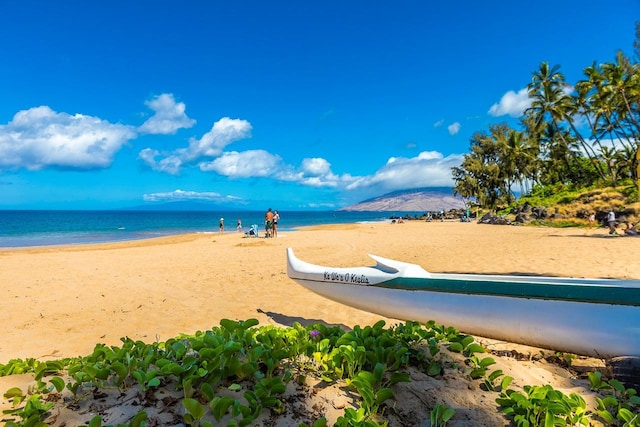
(614, 102)
(626, 162)
(623, 85)
(551, 103)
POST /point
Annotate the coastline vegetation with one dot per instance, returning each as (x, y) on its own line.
(241, 373)
(581, 135)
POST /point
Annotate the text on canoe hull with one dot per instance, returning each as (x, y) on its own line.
(332, 276)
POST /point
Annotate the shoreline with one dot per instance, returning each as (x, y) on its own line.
(47, 228)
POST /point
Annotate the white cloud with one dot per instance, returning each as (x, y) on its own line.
(316, 166)
(180, 195)
(251, 163)
(438, 123)
(39, 138)
(428, 169)
(170, 164)
(454, 128)
(315, 172)
(512, 104)
(168, 118)
(223, 132)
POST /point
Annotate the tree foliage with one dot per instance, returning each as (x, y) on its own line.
(574, 134)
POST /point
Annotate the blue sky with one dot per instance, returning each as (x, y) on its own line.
(294, 105)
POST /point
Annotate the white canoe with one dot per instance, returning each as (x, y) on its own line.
(594, 317)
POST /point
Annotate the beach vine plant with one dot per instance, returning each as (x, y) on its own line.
(545, 406)
(239, 372)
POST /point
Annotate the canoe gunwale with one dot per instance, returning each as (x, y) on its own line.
(403, 276)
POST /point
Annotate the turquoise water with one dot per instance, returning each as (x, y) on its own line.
(40, 228)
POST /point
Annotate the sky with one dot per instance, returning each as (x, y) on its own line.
(251, 104)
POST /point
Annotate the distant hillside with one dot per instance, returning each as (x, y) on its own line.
(415, 200)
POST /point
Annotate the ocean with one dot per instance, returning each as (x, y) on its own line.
(23, 228)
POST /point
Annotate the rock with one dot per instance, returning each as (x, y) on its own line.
(521, 218)
(490, 218)
(540, 212)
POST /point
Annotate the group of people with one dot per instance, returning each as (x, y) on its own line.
(271, 219)
(221, 225)
(611, 221)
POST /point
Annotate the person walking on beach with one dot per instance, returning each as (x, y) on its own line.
(221, 225)
(592, 220)
(239, 226)
(611, 219)
(268, 223)
(276, 218)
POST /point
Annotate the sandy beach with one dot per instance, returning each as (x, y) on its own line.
(61, 301)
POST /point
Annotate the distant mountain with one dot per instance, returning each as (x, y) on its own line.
(414, 200)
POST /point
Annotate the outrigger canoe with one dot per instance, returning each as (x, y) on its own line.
(592, 317)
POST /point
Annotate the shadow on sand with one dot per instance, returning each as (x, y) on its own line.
(285, 320)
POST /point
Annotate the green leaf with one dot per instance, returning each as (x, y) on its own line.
(207, 391)
(487, 361)
(606, 416)
(399, 377)
(456, 347)
(477, 373)
(434, 369)
(625, 415)
(320, 422)
(475, 348)
(549, 419)
(12, 392)
(378, 372)
(58, 383)
(447, 414)
(383, 394)
(139, 419)
(193, 407)
(250, 323)
(220, 405)
(505, 382)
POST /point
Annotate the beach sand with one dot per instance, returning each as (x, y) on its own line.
(60, 301)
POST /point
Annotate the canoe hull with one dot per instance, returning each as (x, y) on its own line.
(586, 328)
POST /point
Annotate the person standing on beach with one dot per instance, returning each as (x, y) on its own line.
(611, 219)
(221, 225)
(268, 223)
(276, 218)
(239, 226)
